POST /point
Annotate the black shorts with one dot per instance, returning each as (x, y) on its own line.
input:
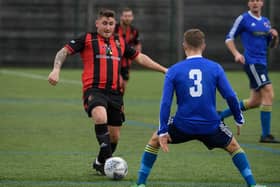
(220, 139)
(113, 102)
(257, 74)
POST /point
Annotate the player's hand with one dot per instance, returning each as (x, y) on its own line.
(239, 58)
(275, 38)
(239, 123)
(163, 141)
(54, 77)
(273, 32)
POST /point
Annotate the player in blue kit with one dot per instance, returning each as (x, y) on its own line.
(256, 35)
(195, 81)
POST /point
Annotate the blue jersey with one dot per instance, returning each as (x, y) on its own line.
(255, 37)
(195, 81)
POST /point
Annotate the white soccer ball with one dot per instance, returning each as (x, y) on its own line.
(115, 168)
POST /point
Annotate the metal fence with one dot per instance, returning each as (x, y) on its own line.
(31, 31)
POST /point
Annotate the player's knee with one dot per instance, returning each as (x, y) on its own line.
(99, 115)
(267, 93)
(114, 137)
(233, 146)
(99, 120)
(270, 96)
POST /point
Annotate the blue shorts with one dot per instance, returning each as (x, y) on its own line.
(220, 139)
(258, 75)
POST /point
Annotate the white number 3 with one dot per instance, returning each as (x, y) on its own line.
(196, 90)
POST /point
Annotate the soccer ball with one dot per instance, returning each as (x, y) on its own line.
(115, 168)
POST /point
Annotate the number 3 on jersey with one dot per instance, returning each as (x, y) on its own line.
(196, 76)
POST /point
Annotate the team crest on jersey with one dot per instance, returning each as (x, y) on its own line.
(108, 49)
(267, 24)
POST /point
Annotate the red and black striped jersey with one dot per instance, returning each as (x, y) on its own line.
(101, 59)
(131, 37)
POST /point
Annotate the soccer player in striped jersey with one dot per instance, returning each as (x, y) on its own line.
(101, 54)
(256, 35)
(195, 81)
(131, 36)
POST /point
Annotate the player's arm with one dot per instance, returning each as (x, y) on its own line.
(274, 38)
(235, 30)
(229, 95)
(137, 42)
(60, 58)
(165, 108)
(147, 62)
(238, 57)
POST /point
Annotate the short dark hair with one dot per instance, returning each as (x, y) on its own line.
(106, 13)
(126, 9)
(195, 38)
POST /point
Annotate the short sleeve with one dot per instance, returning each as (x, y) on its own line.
(76, 45)
(130, 52)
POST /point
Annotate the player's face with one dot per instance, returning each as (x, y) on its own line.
(255, 6)
(105, 26)
(127, 17)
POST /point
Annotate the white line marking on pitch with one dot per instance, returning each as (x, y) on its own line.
(36, 76)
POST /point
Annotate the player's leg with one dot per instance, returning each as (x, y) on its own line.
(224, 139)
(266, 108)
(252, 102)
(95, 104)
(151, 151)
(115, 132)
(240, 160)
(116, 118)
(148, 159)
(227, 112)
(260, 82)
(254, 74)
(99, 116)
(265, 114)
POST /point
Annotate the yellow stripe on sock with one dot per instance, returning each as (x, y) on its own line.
(266, 108)
(240, 150)
(245, 103)
(151, 149)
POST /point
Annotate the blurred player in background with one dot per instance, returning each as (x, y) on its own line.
(130, 34)
(195, 81)
(101, 53)
(256, 35)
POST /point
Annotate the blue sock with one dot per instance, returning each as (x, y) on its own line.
(240, 161)
(227, 112)
(265, 114)
(148, 159)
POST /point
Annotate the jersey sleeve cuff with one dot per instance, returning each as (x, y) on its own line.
(69, 48)
(163, 134)
(135, 55)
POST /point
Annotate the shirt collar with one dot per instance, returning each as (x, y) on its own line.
(251, 14)
(194, 56)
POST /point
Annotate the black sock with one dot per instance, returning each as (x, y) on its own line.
(103, 137)
(113, 147)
